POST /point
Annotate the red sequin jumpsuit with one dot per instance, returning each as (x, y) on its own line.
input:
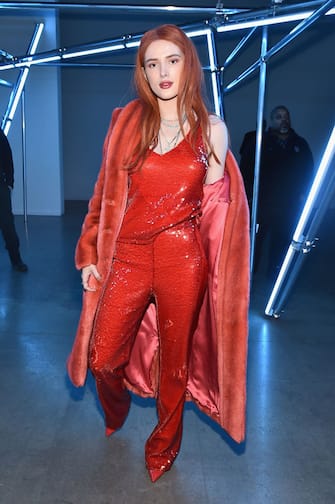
(158, 257)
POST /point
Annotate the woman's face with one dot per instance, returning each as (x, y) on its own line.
(163, 65)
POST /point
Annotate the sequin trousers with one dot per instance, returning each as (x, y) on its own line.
(172, 271)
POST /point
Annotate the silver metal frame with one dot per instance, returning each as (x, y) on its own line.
(259, 135)
(21, 80)
(223, 21)
(96, 6)
(17, 93)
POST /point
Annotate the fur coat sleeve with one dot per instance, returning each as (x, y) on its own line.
(217, 371)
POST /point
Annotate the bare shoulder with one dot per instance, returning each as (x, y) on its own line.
(215, 119)
(218, 128)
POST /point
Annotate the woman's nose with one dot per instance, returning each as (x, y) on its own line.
(164, 70)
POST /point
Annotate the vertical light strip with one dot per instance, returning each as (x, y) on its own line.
(212, 64)
(24, 157)
(14, 100)
(298, 236)
(269, 310)
(18, 88)
(214, 77)
(316, 186)
(36, 38)
(259, 136)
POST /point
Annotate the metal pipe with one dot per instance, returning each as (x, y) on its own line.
(308, 244)
(126, 40)
(114, 66)
(299, 235)
(239, 47)
(215, 77)
(119, 43)
(104, 6)
(242, 76)
(256, 15)
(259, 135)
(24, 160)
(293, 268)
(282, 43)
(19, 85)
(300, 28)
(5, 83)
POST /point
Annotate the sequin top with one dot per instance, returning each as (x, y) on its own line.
(166, 191)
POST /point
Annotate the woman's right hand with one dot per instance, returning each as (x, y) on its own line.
(86, 273)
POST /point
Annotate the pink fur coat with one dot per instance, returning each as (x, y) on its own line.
(217, 368)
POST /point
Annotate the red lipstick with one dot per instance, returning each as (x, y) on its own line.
(165, 84)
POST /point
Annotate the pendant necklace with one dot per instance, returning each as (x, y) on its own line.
(170, 144)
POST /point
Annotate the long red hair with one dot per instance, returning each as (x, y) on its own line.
(190, 102)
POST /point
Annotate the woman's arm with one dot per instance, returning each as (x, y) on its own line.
(219, 142)
(86, 250)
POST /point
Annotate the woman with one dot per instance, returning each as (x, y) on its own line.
(150, 279)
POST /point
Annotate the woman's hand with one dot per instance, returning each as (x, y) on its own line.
(86, 273)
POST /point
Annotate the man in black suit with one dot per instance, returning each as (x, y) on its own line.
(7, 224)
(286, 174)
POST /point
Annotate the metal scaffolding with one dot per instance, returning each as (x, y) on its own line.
(222, 20)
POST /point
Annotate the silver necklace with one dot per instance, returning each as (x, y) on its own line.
(169, 144)
(172, 123)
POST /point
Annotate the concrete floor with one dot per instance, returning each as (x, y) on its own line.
(53, 449)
